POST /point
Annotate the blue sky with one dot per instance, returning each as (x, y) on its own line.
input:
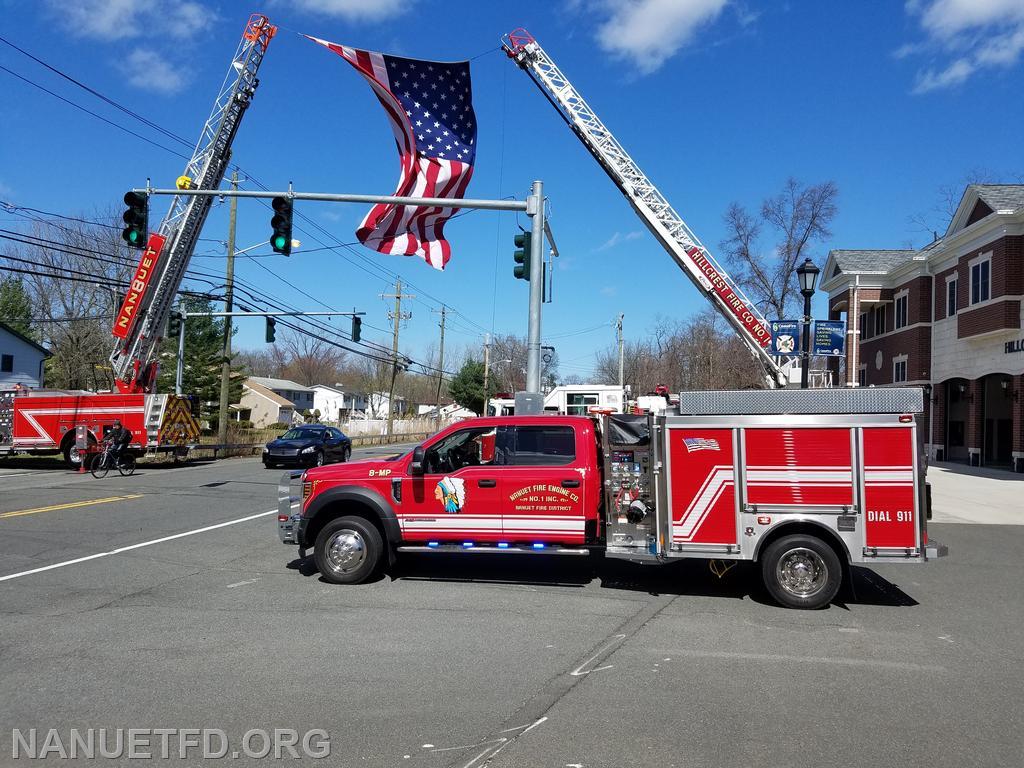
(718, 101)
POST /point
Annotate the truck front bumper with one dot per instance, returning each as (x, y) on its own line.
(289, 507)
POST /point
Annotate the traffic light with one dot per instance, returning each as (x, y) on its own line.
(271, 330)
(281, 239)
(357, 328)
(174, 326)
(523, 243)
(136, 219)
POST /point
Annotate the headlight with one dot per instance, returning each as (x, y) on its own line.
(308, 450)
(266, 449)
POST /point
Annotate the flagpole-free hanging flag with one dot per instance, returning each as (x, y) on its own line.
(430, 107)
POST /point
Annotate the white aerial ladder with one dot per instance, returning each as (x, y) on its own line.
(650, 205)
(135, 357)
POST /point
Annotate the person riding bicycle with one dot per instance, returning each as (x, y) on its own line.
(118, 439)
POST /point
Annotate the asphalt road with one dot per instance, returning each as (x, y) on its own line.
(471, 661)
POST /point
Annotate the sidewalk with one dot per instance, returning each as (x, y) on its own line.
(962, 494)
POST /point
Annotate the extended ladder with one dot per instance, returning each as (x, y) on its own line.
(134, 360)
(650, 205)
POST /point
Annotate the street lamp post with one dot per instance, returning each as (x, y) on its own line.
(807, 274)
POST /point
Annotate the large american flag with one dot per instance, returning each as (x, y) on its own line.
(430, 107)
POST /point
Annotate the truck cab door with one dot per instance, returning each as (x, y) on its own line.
(545, 488)
(459, 497)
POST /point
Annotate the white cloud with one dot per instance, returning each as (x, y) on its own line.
(649, 32)
(355, 10)
(148, 70)
(617, 239)
(111, 20)
(974, 34)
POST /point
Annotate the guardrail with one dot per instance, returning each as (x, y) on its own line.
(358, 441)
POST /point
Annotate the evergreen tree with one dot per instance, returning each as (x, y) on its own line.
(204, 347)
(15, 306)
(467, 388)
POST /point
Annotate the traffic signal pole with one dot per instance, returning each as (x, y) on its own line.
(179, 373)
(535, 210)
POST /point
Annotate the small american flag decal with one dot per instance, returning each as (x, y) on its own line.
(700, 444)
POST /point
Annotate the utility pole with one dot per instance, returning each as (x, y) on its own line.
(622, 359)
(535, 210)
(180, 372)
(397, 316)
(225, 368)
(487, 366)
(440, 366)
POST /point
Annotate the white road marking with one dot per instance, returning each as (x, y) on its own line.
(242, 583)
(607, 646)
(130, 547)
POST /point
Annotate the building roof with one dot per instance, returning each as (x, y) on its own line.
(869, 261)
(1000, 197)
(269, 394)
(278, 384)
(16, 334)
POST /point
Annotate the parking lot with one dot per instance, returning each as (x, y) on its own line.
(173, 605)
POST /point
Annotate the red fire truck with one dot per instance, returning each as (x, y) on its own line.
(45, 421)
(803, 482)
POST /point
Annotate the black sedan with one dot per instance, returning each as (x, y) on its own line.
(308, 445)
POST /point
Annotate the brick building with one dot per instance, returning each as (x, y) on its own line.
(947, 317)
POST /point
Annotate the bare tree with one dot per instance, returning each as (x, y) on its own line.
(77, 270)
(799, 217)
(310, 360)
(934, 221)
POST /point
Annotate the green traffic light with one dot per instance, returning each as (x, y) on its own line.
(280, 241)
(133, 236)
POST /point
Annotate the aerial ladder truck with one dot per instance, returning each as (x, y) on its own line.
(45, 421)
(650, 205)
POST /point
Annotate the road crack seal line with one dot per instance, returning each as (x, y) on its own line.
(537, 709)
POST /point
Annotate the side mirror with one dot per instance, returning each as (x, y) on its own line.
(416, 465)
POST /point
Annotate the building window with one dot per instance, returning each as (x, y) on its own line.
(862, 376)
(980, 278)
(879, 320)
(901, 310)
(6, 363)
(863, 325)
(899, 369)
(951, 285)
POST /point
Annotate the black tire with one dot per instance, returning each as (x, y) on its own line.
(126, 466)
(801, 571)
(348, 550)
(100, 465)
(345, 454)
(319, 459)
(269, 464)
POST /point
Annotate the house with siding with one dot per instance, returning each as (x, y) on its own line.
(21, 360)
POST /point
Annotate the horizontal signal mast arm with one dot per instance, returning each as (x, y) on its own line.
(647, 201)
(331, 197)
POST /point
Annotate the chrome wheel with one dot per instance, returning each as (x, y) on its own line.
(801, 572)
(346, 551)
(320, 459)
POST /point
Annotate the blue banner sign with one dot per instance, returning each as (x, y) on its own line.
(785, 337)
(829, 337)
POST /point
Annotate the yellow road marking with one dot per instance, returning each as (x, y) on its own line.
(70, 505)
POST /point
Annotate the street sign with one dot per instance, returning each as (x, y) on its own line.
(785, 337)
(829, 337)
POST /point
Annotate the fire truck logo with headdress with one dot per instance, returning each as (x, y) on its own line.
(451, 492)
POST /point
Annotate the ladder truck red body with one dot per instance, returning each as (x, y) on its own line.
(45, 421)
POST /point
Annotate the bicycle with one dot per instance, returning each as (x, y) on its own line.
(103, 462)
